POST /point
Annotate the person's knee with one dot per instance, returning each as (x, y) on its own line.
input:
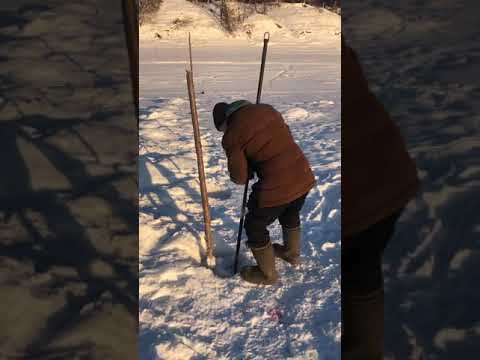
(257, 238)
(250, 225)
(289, 221)
(257, 233)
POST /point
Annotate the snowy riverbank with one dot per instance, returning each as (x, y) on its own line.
(186, 311)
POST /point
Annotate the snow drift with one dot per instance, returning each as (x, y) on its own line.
(303, 23)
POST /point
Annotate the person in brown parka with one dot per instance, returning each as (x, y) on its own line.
(257, 140)
(378, 179)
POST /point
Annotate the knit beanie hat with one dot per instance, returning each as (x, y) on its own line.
(219, 114)
(222, 111)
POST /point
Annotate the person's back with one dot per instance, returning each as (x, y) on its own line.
(282, 169)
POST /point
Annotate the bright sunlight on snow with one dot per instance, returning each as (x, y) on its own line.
(186, 310)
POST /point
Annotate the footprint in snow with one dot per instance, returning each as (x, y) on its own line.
(296, 114)
(221, 194)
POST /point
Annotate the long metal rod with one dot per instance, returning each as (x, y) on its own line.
(201, 170)
(266, 37)
(240, 226)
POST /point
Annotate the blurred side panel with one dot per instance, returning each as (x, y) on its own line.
(420, 61)
(68, 189)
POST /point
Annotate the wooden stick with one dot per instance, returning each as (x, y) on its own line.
(201, 171)
(190, 53)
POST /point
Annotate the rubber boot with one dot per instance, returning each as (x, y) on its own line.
(290, 250)
(363, 326)
(264, 273)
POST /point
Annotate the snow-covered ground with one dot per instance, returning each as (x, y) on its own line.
(423, 64)
(296, 23)
(186, 310)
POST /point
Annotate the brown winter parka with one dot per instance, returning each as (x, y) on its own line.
(258, 135)
(378, 175)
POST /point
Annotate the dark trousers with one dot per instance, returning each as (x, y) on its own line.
(362, 256)
(258, 219)
(362, 291)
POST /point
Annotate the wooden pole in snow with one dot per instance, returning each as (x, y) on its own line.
(201, 171)
(190, 53)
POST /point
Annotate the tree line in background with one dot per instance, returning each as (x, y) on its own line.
(232, 13)
(146, 8)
